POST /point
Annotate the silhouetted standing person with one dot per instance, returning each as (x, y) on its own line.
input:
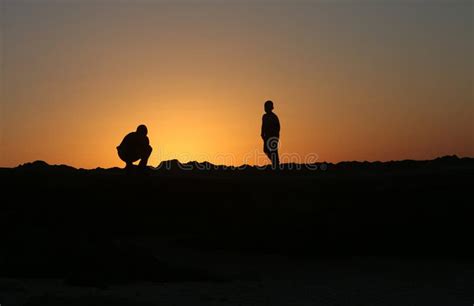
(271, 134)
(135, 146)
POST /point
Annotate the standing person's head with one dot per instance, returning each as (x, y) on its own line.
(142, 130)
(268, 106)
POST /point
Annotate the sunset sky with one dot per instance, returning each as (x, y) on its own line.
(351, 80)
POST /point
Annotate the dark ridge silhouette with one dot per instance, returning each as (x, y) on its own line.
(103, 226)
(42, 166)
(175, 166)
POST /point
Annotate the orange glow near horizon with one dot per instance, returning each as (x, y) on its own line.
(78, 77)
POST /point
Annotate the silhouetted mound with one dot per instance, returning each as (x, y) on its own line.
(451, 162)
(40, 166)
(65, 222)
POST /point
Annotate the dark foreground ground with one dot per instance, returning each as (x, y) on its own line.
(398, 233)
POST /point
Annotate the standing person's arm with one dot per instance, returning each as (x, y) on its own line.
(278, 125)
(262, 133)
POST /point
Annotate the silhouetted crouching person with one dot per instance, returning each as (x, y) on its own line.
(135, 146)
(271, 134)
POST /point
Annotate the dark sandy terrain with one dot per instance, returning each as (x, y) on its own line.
(397, 233)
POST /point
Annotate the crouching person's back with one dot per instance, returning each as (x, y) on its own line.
(135, 147)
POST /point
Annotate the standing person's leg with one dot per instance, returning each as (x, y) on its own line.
(275, 159)
(271, 146)
(144, 156)
(266, 149)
